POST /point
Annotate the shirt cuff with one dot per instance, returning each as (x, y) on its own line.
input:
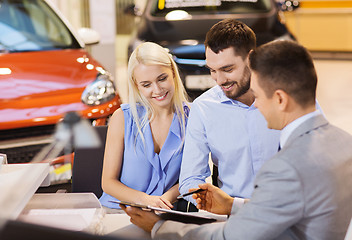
(237, 204)
(156, 227)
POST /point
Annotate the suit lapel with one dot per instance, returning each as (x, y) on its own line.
(307, 126)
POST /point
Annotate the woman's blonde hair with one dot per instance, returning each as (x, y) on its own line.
(149, 53)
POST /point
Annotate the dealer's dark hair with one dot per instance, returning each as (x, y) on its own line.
(231, 33)
(288, 66)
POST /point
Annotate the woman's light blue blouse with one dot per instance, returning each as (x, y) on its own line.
(142, 168)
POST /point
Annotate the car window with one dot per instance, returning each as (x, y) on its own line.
(161, 8)
(31, 25)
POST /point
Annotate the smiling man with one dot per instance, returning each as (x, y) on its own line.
(223, 121)
(303, 192)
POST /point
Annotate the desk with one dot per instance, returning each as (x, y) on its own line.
(78, 212)
(74, 211)
(70, 211)
(18, 183)
(119, 225)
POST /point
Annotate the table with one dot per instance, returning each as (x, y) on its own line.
(69, 211)
(119, 225)
(18, 183)
(83, 212)
(78, 212)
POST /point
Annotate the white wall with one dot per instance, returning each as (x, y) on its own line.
(71, 9)
(102, 19)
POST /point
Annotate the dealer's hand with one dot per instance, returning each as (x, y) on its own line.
(144, 219)
(213, 199)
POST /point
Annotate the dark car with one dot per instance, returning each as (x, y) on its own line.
(181, 26)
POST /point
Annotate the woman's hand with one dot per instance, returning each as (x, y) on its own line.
(213, 199)
(157, 201)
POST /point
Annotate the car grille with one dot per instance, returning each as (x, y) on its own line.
(21, 145)
(19, 133)
(22, 154)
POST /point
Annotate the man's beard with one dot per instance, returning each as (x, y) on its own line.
(243, 87)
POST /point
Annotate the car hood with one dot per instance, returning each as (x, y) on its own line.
(43, 84)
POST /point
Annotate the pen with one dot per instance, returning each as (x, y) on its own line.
(190, 193)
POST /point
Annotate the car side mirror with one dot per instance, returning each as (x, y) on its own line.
(288, 5)
(89, 36)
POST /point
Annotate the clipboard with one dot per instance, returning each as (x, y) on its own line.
(167, 214)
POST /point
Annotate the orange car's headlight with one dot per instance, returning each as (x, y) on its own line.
(99, 91)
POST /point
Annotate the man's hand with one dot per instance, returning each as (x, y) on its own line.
(213, 199)
(142, 218)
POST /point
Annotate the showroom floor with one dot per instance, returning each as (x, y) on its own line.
(333, 94)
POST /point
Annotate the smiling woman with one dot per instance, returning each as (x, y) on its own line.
(145, 138)
(156, 84)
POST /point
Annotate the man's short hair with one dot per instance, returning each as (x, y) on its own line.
(231, 33)
(288, 66)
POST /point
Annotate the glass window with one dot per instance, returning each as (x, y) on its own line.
(31, 25)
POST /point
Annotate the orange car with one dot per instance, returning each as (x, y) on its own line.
(44, 73)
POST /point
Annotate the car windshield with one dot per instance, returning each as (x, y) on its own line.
(165, 8)
(31, 25)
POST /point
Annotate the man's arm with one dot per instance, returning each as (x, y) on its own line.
(276, 204)
(194, 168)
(186, 231)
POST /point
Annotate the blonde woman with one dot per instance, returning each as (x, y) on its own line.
(145, 137)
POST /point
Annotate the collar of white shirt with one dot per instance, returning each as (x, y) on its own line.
(286, 131)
